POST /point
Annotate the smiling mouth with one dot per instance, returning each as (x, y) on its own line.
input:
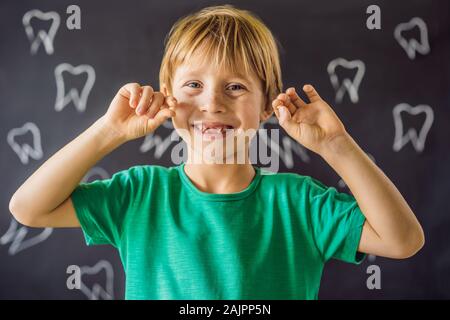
(212, 129)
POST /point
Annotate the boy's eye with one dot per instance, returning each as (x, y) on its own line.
(233, 87)
(192, 83)
(236, 86)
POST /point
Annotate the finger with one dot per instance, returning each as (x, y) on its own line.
(132, 92)
(285, 120)
(157, 102)
(296, 100)
(160, 117)
(277, 103)
(312, 94)
(275, 110)
(285, 115)
(286, 101)
(145, 100)
(170, 102)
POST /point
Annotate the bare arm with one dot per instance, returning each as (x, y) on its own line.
(44, 200)
(51, 185)
(391, 228)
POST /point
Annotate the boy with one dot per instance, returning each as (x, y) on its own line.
(214, 229)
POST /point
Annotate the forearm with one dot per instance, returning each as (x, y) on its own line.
(56, 178)
(384, 207)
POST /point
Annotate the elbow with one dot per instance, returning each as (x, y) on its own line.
(19, 214)
(413, 243)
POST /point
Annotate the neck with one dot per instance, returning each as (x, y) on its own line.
(220, 178)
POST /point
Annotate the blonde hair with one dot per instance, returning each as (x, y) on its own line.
(236, 36)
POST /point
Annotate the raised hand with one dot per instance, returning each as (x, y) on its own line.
(313, 124)
(138, 110)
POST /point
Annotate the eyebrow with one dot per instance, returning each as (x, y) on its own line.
(195, 74)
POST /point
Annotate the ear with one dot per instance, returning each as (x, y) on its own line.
(164, 90)
(267, 113)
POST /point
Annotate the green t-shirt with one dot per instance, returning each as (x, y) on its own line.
(268, 241)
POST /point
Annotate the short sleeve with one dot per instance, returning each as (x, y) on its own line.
(102, 205)
(336, 221)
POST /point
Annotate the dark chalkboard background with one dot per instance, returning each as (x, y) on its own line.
(123, 42)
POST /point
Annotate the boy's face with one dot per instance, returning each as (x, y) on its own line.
(214, 106)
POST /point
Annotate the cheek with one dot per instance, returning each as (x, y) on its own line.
(182, 116)
(250, 118)
(181, 124)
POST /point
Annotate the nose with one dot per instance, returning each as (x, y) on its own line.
(213, 102)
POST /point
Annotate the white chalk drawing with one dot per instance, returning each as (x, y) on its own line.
(341, 184)
(41, 36)
(93, 172)
(79, 100)
(25, 151)
(98, 291)
(417, 140)
(346, 85)
(168, 124)
(286, 148)
(16, 236)
(160, 143)
(412, 46)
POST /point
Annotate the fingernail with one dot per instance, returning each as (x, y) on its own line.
(139, 110)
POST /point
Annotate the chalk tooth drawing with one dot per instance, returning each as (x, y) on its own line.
(94, 172)
(25, 151)
(342, 184)
(168, 125)
(286, 149)
(41, 36)
(16, 236)
(98, 291)
(160, 143)
(63, 96)
(346, 85)
(417, 140)
(412, 46)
